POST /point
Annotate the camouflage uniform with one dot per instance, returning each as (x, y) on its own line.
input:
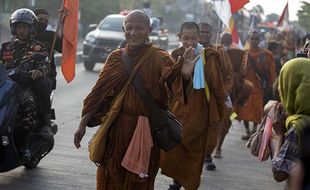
(12, 54)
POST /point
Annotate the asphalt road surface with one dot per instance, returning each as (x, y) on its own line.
(67, 168)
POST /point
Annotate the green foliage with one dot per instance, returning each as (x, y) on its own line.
(304, 16)
(272, 17)
(93, 11)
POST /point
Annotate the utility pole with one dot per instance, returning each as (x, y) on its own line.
(32, 3)
(1, 16)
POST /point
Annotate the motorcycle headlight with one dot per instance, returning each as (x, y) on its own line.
(90, 39)
(5, 140)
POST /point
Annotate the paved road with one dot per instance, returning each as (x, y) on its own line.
(66, 168)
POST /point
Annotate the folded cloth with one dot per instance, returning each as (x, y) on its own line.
(199, 81)
(199, 78)
(138, 153)
(264, 146)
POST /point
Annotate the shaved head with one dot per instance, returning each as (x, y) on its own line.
(255, 33)
(226, 35)
(136, 28)
(226, 39)
(137, 16)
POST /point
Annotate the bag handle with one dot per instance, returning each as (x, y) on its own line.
(155, 111)
(133, 71)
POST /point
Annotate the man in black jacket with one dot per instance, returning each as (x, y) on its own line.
(46, 37)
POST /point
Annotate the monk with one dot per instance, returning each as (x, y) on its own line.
(203, 108)
(260, 70)
(235, 56)
(215, 130)
(226, 41)
(155, 70)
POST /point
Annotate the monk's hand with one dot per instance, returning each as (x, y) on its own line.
(79, 134)
(189, 63)
(35, 74)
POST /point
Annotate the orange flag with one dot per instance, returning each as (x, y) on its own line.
(70, 39)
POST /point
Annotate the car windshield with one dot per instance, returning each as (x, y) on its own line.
(113, 24)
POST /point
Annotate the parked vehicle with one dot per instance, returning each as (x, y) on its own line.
(41, 141)
(99, 43)
(159, 34)
(108, 35)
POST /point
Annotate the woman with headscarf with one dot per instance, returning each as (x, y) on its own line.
(294, 89)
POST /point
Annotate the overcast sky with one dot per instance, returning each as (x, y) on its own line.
(277, 6)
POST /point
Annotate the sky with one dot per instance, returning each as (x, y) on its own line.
(277, 6)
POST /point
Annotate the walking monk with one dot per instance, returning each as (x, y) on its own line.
(114, 173)
(204, 106)
(216, 129)
(260, 70)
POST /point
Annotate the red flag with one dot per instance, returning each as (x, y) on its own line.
(235, 5)
(70, 39)
(234, 33)
(284, 15)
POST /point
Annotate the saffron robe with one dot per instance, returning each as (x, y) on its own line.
(110, 174)
(253, 108)
(184, 163)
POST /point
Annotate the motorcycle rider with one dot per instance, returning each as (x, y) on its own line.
(46, 37)
(35, 86)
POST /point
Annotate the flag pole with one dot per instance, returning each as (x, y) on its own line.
(218, 26)
(56, 33)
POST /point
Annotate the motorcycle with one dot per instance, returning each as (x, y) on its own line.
(41, 141)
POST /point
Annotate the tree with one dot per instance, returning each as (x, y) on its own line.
(272, 17)
(93, 11)
(304, 16)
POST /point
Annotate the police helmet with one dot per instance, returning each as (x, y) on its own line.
(23, 15)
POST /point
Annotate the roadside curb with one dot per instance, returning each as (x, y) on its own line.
(58, 58)
(79, 59)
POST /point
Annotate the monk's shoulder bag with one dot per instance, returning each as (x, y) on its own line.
(165, 127)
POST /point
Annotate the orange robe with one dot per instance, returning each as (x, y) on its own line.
(185, 162)
(253, 108)
(110, 174)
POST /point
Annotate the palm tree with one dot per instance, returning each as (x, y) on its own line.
(304, 16)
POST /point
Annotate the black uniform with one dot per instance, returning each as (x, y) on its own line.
(46, 37)
(34, 96)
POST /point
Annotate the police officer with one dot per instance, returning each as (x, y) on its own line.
(34, 96)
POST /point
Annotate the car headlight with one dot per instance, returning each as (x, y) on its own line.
(163, 38)
(153, 38)
(90, 39)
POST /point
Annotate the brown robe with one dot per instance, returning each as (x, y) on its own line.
(223, 126)
(236, 58)
(226, 68)
(253, 108)
(110, 174)
(184, 163)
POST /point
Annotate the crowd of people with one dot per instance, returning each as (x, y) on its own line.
(203, 84)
